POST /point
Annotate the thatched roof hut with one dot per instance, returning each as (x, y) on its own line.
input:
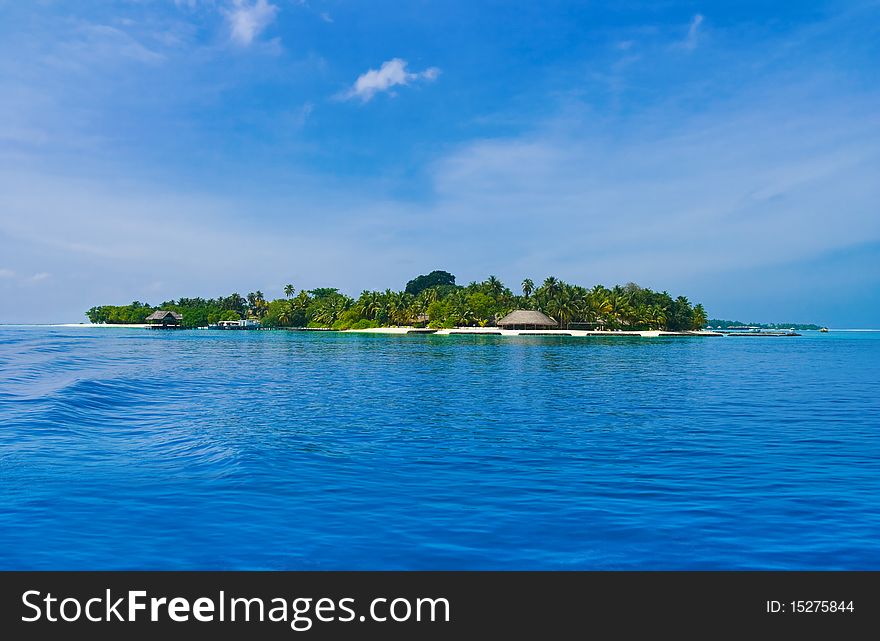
(527, 319)
(164, 318)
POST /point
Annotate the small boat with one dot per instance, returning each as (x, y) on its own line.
(824, 330)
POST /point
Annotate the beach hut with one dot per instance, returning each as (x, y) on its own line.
(162, 319)
(527, 319)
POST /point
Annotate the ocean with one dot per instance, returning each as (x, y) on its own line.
(137, 449)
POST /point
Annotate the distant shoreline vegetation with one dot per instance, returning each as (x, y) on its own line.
(714, 323)
(432, 300)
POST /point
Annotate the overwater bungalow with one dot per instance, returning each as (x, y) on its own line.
(527, 319)
(164, 319)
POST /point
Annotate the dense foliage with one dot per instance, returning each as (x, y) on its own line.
(436, 279)
(440, 304)
(197, 312)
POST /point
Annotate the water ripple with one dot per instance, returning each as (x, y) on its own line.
(134, 449)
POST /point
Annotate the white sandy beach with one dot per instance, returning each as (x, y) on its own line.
(90, 325)
(495, 331)
(491, 331)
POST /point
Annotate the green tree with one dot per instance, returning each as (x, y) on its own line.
(699, 319)
(551, 285)
(482, 306)
(494, 286)
(445, 305)
(435, 279)
(561, 306)
(324, 292)
(368, 304)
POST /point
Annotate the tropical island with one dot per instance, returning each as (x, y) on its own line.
(431, 300)
(715, 323)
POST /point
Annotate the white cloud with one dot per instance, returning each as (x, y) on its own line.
(684, 203)
(392, 73)
(247, 21)
(325, 16)
(11, 275)
(46, 231)
(715, 191)
(693, 35)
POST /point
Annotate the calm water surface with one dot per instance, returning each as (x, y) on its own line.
(128, 448)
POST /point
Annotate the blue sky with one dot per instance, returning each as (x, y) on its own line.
(729, 151)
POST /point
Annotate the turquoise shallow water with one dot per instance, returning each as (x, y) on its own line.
(128, 448)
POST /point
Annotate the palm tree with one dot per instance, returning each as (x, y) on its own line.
(528, 286)
(699, 317)
(289, 290)
(369, 304)
(302, 300)
(580, 303)
(325, 314)
(460, 312)
(621, 311)
(401, 305)
(285, 315)
(388, 308)
(330, 308)
(561, 306)
(564, 306)
(494, 286)
(462, 315)
(419, 304)
(600, 305)
(426, 297)
(547, 292)
(551, 285)
(655, 317)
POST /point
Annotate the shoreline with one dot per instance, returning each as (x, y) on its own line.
(440, 332)
(495, 331)
(102, 325)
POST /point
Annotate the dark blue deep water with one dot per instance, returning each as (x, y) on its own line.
(128, 448)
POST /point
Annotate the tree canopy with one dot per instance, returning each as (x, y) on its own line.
(434, 300)
(436, 278)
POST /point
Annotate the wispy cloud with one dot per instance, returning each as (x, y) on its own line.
(637, 204)
(248, 20)
(100, 42)
(692, 39)
(669, 174)
(11, 275)
(392, 73)
(44, 235)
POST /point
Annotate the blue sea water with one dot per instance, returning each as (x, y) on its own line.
(136, 449)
